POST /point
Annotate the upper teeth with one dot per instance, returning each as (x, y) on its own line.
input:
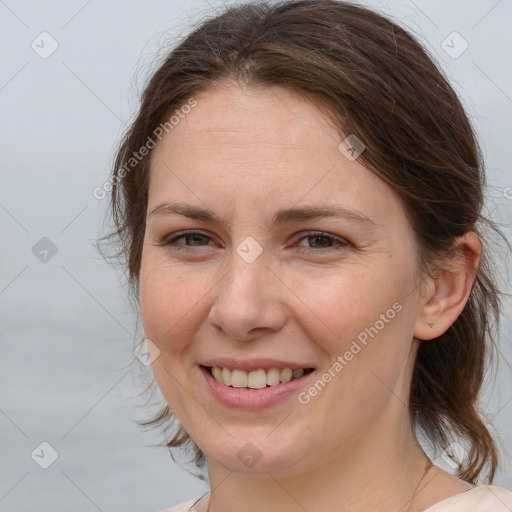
(256, 379)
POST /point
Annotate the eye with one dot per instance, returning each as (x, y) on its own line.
(192, 239)
(323, 242)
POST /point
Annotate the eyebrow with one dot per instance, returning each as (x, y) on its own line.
(283, 216)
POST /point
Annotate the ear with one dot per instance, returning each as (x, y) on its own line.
(448, 294)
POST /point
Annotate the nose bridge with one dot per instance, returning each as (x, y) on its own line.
(247, 297)
(246, 275)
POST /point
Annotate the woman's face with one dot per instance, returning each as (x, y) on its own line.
(263, 277)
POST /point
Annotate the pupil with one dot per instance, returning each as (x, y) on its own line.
(320, 237)
(196, 238)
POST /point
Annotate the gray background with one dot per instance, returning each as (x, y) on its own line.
(67, 371)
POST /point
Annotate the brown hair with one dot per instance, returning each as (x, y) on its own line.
(381, 85)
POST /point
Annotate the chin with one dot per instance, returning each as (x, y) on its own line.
(258, 457)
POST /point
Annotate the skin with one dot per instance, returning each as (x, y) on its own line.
(246, 153)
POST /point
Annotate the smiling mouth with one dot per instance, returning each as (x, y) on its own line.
(256, 379)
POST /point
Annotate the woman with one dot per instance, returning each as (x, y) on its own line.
(299, 202)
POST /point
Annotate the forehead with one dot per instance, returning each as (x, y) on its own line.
(230, 113)
(242, 144)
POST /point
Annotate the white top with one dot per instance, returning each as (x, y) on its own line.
(484, 498)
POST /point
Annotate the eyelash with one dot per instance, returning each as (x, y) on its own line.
(312, 234)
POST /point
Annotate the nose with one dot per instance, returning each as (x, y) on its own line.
(250, 300)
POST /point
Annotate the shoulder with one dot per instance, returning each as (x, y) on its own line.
(182, 507)
(484, 498)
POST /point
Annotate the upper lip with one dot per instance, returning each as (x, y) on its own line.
(253, 364)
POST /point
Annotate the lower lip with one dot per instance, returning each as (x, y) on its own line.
(243, 398)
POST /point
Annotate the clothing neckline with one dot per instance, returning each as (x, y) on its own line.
(448, 500)
(204, 500)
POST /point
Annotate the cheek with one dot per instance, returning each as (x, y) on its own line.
(361, 322)
(167, 299)
(335, 307)
(171, 309)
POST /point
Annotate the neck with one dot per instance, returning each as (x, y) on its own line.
(378, 470)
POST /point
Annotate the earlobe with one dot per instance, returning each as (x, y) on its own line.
(450, 290)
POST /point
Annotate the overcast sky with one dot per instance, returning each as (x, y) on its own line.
(68, 87)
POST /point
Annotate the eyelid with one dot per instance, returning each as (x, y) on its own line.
(339, 244)
(179, 234)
